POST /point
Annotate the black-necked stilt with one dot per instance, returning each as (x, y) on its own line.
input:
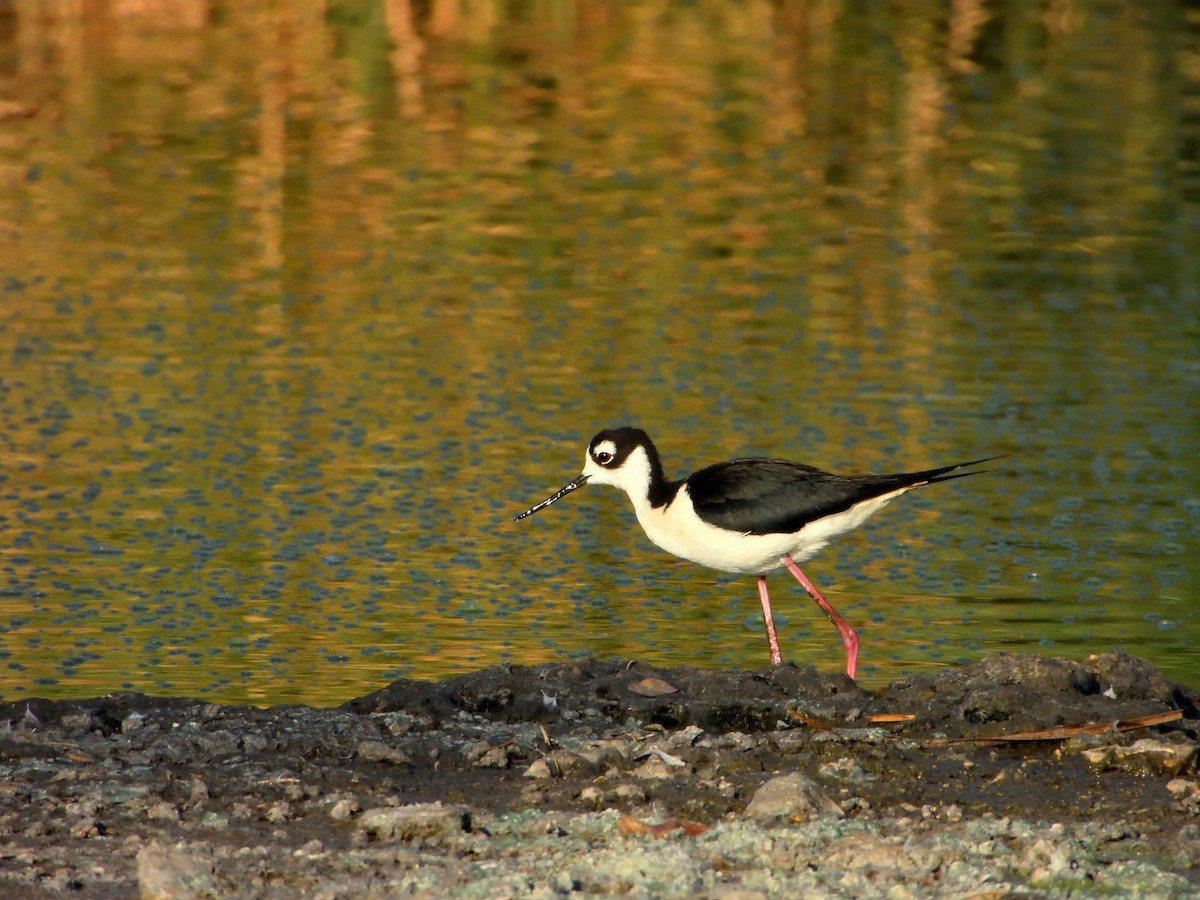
(745, 515)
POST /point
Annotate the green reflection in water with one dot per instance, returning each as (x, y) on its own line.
(296, 318)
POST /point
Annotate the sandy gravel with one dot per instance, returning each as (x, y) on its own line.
(612, 777)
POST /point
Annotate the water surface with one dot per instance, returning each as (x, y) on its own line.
(299, 311)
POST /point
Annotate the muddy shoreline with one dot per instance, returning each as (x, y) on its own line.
(611, 776)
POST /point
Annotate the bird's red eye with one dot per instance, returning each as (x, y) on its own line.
(604, 457)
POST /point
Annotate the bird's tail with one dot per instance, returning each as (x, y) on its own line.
(947, 473)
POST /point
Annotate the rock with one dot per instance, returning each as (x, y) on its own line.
(1182, 788)
(379, 752)
(86, 827)
(486, 755)
(312, 848)
(593, 797)
(215, 821)
(76, 722)
(669, 759)
(343, 809)
(603, 756)
(685, 737)
(629, 793)
(795, 797)
(417, 822)
(279, 812)
(1148, 756)
(558, 764)
(166, 873)
(652, 687)
(167, 812)
(657, 767)
(845, 769)
(1126, 677)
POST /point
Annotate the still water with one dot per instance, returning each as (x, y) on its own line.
(298, 307)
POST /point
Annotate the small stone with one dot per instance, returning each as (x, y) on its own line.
(845, 769)
(603, 757)
(250, 743)
(379, 752)
(1180, 788)
(418, 821)
(669, 758)
(166, 873)
(534, 793)
(629, 793)
(484, 755)
(77, 722)
(1082, 743)
(652, 687)
(592, 796)
(1148, 756)
(86, 827)
(36, 829)
(163, 811)
(559, 763)
(343, 809)
(656, 767)
(795, 797)
(83, 808)
(854, 804)
(279, 812)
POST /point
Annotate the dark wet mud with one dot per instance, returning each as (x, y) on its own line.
(1016, 774)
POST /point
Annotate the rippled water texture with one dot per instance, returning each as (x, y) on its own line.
(300, 305)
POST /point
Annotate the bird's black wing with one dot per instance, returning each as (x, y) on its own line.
(773, 496)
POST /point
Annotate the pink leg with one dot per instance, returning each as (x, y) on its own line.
(849, 636)
(772, 640)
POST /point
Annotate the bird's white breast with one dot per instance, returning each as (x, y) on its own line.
(677, 529)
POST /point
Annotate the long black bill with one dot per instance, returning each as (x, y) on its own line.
(557, 495)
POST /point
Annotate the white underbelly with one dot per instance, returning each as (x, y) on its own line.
(677, 529)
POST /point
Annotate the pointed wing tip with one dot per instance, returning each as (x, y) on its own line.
(951, 472)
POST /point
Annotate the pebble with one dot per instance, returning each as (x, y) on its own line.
(795, 797)
(419, 821)
(167, 873)
(1148, 756)
(379, 752)
(343, 809)
(656, 768)
(559, 764)
(845, 769)
(1182, 788)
